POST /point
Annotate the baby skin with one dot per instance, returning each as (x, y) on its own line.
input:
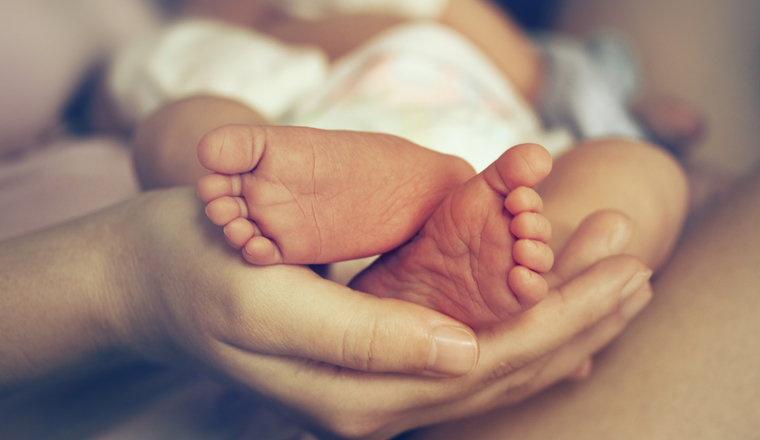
(302, 196)
(305, 196)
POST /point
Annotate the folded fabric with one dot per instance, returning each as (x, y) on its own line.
(589, 85)
(208, 57)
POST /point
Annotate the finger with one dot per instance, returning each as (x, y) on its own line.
(600, 235)
(596, 338)
(568, 310)
(311, 387)
(572, 359)
(309, 317)
(343, 402)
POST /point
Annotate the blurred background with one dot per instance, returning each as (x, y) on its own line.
(704, 51)
(701, 50)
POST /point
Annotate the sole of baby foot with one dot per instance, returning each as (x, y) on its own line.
(479, 257)
(307, 196)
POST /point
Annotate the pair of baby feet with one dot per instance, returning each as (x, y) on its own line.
(470, 246)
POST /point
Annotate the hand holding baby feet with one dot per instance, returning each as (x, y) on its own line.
(478, 258)
(305, 196)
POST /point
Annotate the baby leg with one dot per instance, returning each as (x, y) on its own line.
(307, 196)
(480, 21)
(466, 279)
(476, 258)
(636, 178)
(687, 368)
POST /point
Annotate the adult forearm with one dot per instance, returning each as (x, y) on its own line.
(54, 286)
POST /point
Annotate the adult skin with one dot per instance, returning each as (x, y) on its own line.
(687, 368)
(153, 277)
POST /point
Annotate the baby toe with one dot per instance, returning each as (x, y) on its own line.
(214, 186)
(226, 209)
(524, 165)
(262, 251)
(534, 255)
(239, 231)
(522, 199)
(528, 287)
(232, 149)
(532, 226)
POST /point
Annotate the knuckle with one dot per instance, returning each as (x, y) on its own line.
(362, 342)
(519, 381)
(382, 342)
(502, 369)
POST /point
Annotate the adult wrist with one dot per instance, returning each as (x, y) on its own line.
(121, 316)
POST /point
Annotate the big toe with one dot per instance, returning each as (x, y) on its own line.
(232, 149)
(521, 165)
(524, 165)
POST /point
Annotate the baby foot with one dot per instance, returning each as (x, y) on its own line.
(476, 258)
(306, 196)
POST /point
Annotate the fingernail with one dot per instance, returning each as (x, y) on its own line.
(635, 283)
(620, 237)
(634, 305)
(454, 351)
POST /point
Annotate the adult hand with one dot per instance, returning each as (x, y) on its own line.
(196, 299)
(286, 333)
(153, 275)
(540, 347)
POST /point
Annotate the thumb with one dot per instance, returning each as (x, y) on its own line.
(313, 318)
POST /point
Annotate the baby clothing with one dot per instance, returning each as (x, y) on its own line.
(421, 81)
(208, 57)
(426, 83)
(590, 85)
(315, 9)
